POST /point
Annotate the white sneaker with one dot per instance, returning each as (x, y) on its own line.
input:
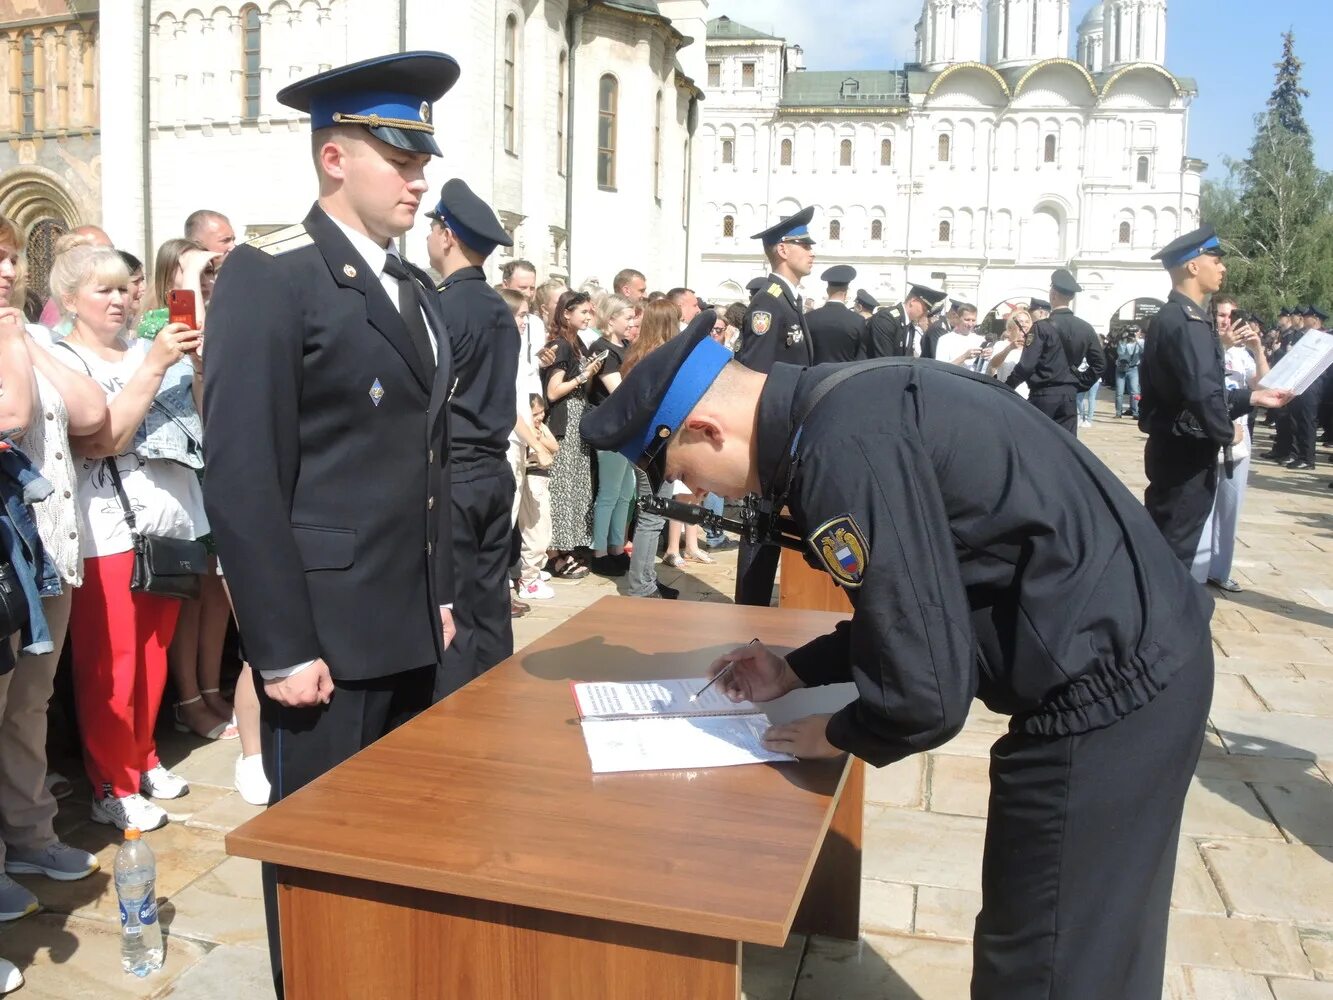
(535, 590)
(544, 576)
(159, 783)
(250, 779)
(128, 811)
(10, 977)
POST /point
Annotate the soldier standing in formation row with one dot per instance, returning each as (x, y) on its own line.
(837, 333)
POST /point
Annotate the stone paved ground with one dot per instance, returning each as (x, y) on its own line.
(1253, 902)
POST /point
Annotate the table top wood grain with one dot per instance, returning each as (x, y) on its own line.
(490, 793)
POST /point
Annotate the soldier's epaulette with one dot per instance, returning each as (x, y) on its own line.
(774, 289)
(283, 241)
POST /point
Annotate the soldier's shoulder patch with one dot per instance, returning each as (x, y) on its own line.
(761, 321)
(840, 546)
(774, 289)
(282, 241)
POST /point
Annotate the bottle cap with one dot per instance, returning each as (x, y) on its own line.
(132, 833)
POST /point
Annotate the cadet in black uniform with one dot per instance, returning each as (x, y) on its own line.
(485, 341)
(896, 331)
(325, 403)
(1186, 409)
(1039, 309)
(837, 333)
(754, 284)
(1303, 411)
(1056, 348)
(864, 306)
(1291, 332)
(987, 555)
(775, 330)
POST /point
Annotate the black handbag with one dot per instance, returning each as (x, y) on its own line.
(13, 602)
(167, 567)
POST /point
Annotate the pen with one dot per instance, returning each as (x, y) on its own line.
(720, 674)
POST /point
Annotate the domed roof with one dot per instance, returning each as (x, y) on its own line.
(1093, 18)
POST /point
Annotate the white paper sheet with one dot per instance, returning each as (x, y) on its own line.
(1305, 362)
(677, 744)
(637, 699)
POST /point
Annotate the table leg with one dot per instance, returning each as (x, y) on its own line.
(349, 937)
(832, 903)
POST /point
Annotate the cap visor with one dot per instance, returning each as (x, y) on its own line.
(408, 139)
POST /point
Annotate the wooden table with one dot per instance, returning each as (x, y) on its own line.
(473, 855)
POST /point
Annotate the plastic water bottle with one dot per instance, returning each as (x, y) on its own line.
(136, 880)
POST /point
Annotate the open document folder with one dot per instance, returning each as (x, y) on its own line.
(653, 725)
(1303, 363)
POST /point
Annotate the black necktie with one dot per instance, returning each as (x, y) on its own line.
(409, 305)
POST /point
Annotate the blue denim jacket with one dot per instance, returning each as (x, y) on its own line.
(21, 485)
(172, 429)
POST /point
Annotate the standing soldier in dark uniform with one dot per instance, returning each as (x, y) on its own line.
(1056, 348)
(463, 233)
(754, 284)
(1291, 331)
(864, 306)
(326, 409)
(1039, 309)
(897, 331)
(1303, 411)
(775, 331)
(837, 333)
(987, 554)
(1186, 410)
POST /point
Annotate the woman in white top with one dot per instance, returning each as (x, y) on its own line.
(39, 400)
(1004, 359)
(120, 637)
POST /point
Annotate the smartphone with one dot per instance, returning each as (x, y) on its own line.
(180, 307)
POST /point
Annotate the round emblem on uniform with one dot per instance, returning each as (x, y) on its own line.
(349, 270)
(425, 111)
(760, 322)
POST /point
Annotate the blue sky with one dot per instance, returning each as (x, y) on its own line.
(1228, 46)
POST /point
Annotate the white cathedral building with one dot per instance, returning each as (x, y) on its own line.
(1008, 148)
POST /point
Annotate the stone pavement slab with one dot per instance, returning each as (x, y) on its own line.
(1276, 881)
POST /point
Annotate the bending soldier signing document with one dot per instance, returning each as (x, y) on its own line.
(987, 554)
(326, 393)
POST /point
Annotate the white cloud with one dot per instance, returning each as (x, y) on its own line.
(861, 34)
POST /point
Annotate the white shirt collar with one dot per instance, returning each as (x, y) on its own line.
(371, 252)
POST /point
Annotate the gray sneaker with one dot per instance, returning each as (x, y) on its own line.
(58, 861)
(15, 901)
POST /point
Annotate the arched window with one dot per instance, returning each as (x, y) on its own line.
(511, 83)
(1126, 233)
(845, 153)
(250, 62)
(728, 151)
(786, 153)
(835, 230)
(945, 234)
(886, 153)
(944, 148)
(1048, 153)
(561, 112)
(1143, 170)
(876, 230)
(607, 99)
(657, 149)
(728, 227)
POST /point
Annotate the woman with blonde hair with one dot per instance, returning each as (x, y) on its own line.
(1007, 351)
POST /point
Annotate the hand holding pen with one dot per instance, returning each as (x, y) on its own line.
(752, 673)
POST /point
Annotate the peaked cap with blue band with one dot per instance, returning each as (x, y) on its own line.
(469, 218)
(390, 95)
(790, 227)
(1202, 241)
(648, 407)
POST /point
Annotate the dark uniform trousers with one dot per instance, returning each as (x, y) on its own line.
(1182, 484)
(1061, 405)
(1303, 412)
(483, 501)
(1081, 851)
(756, 569)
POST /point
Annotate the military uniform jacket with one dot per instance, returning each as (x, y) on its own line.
(774, 330)
(891, 334)
(485, 347)
(986, 553)
(326, 482)
(836, 333)
(932, 336)
(1183, 378)
(1051, 359)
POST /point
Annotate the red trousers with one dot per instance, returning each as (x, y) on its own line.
(118, 645)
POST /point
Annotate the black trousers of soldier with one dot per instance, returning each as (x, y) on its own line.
(482, 508)
(1282, 434)
(1060, 405)
(756, 569)
(1303, 412)
(1081, 851)
(300, 744)
(1182, 483)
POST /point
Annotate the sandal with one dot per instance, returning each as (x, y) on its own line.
(569, 568)
(673, 560)
(58, 785)
(220, 713)
(700, 557)
(222, 731)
